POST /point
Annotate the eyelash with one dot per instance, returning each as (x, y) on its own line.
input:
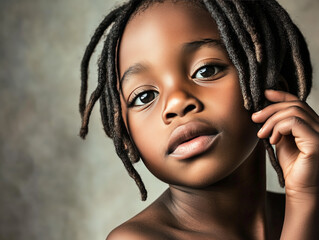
(138, 94)
(220, 68)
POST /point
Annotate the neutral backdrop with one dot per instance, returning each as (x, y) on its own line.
(53, 185)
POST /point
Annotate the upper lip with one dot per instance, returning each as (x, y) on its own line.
(188, 131)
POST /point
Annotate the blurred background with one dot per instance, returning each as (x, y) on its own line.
(53, 185)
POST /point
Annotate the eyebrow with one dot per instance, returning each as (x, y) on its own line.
(134, 69)
(195, 45)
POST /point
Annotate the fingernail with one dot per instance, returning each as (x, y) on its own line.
(256, 113)
(260, 130)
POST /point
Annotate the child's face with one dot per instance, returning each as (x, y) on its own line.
(181, 86)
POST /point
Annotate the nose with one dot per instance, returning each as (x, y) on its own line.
(179, 104)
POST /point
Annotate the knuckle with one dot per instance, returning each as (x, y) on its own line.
(295, 109)
(297, 120)
(298, 103)
(313, 152)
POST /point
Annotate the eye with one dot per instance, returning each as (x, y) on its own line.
(144, 98)
(207, 71)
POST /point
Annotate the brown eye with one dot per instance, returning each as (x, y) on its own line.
(144, 98)
(207, 71)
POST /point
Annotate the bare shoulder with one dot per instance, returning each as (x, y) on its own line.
(131, 230)
(152, 223)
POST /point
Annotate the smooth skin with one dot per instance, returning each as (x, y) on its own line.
(175, 73)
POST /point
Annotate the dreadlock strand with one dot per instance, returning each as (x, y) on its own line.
(111, 69)
(106, 101)
(113, 76)
(123, 152)
(236, 22)
(86, 115)
(278, 31)
(226, 34)
(251, 29)
(107, 21)
(271, 68)
(121, 139)
(86, 110)
(274, 162)
(290, 29)
(129, 167)
(272, 72)
(104, 114)
(106, 61)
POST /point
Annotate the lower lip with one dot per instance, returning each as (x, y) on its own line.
(194, 147)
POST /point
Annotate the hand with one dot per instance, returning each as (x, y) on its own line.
(293, 127)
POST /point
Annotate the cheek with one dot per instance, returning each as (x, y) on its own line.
(243, 131)
(149, 138)
(145, 129)
(240, 122)
(226, 101)
(233, 118)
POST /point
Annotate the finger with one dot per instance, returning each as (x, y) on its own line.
(300, 130)
(279, 96)
(297, 151)
(290, 112)
(268, 111)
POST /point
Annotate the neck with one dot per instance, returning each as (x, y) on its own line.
(235, 205)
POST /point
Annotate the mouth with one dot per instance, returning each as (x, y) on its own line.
(191, 139)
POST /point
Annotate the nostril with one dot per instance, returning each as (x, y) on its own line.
(189, 108)
(171, 115)
(180, 108)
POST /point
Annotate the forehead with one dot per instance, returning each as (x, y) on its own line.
(162, 28)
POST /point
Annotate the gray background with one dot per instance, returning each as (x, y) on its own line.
(52, 184)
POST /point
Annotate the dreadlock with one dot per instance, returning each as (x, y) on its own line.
(260, 38)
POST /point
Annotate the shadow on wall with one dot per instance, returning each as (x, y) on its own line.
(53, 185)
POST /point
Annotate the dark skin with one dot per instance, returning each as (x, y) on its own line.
(183, 107)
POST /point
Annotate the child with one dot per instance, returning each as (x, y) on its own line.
(185, 86)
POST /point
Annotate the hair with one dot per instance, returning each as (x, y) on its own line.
(259, 36)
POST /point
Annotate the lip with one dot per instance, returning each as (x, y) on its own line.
(191, 139)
